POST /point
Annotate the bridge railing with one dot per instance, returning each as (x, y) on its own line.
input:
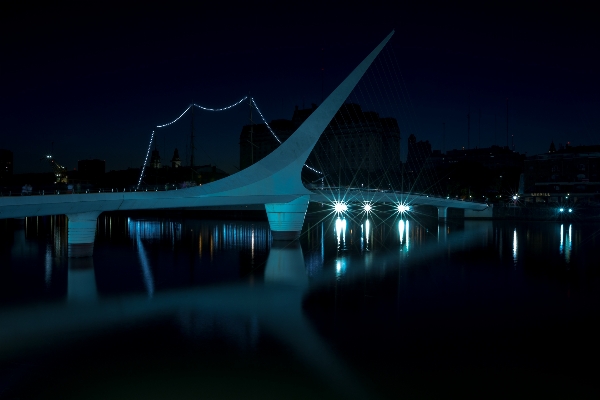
(50, 192)
(170, 187)
(347, 189)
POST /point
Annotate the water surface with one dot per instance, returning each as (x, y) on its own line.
(186, 308)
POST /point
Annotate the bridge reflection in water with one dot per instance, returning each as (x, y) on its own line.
(228, 281)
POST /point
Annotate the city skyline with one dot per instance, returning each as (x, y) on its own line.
(97, 87)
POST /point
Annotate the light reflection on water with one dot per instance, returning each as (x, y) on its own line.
(515, 247)
(248, 244)
(340, 231)
(565, 249)
(147, 273)
(229, 281)
(404, 233)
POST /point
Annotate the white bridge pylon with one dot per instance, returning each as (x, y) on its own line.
(274, 181)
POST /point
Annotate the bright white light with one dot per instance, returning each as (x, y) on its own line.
(340, 207)
(570, 210)
(514, 197)
(402, 208)
(367, 207)
(561, 209)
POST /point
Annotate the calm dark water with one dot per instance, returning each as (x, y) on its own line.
(185, 308)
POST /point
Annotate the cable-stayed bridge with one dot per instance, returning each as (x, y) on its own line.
(274, 181)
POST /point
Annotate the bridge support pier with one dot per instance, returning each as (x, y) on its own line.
(82, 232)
(286, 219)
(442, 214)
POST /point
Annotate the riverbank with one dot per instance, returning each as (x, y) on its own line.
(548, 213)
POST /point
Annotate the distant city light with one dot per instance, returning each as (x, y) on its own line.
(561, 209)
(367, 207)
(570, 210)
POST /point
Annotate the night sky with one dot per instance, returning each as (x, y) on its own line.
(96, 81)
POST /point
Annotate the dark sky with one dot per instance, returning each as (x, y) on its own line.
(95, 81)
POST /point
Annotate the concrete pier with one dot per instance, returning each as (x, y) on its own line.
(286, 219)
(82, 232)
(442, 213)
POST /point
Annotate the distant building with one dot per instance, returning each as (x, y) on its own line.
(418, 154)
(6, 163)
(155, 159)
(570, 174)
(465, 173)
(91, 169)
(356, 147)
(494, 157)
(176, 161)
(89, 172)
(257, 141)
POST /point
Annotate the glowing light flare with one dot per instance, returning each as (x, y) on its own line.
(402, 208)
(367, 207)
(340, 207)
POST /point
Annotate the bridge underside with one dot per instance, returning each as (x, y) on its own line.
(285, 218)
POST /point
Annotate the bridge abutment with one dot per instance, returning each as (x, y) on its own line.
(286, 219)
(442, 214)
(82, 232)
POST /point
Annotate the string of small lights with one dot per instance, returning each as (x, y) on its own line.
(265, 121)
(177, 119)
(220, 109)
(214, 109)
(146, 160)
(275, 136)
